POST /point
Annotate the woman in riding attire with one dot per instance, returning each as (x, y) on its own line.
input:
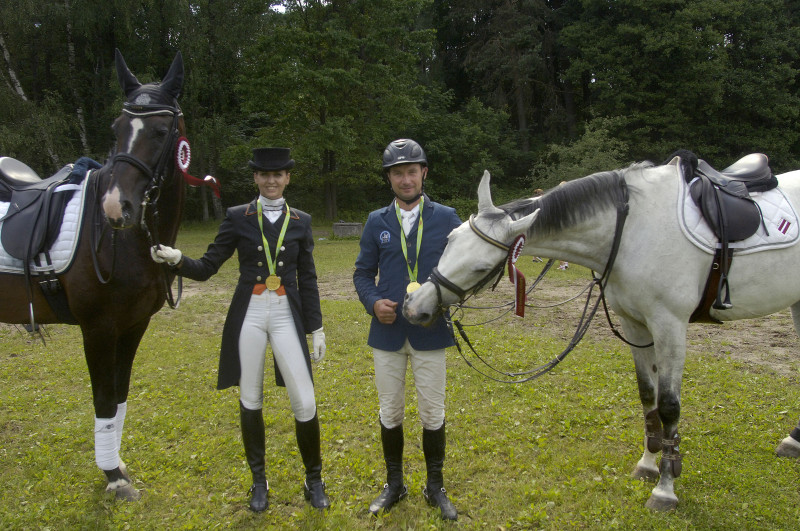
(401, 244)
(276, 301)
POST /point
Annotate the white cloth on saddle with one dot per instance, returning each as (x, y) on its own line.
(779, 217)
(62, 251)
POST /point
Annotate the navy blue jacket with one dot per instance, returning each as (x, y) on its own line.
(239, 232)
(381, 257)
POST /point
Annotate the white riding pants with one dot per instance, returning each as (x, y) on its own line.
(430, 370)
(269, 320)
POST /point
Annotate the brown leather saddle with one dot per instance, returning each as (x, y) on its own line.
(724, 199)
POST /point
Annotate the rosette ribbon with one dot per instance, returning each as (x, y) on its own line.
(515, 275)
(183, 157)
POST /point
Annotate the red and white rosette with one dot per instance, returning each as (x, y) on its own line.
(183, 157)
(516, 276)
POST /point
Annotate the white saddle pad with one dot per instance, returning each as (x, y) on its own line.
(63, 250)
(779, 217)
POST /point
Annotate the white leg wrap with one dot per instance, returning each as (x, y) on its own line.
(106, 451)
(119, 420)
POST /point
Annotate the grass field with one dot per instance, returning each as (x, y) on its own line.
(555, 453)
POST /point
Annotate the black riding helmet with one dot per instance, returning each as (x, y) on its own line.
(403, 151)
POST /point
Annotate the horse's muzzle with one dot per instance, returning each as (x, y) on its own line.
(418, 317)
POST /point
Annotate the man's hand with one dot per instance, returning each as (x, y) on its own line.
(385, 310)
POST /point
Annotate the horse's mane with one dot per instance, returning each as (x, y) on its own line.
(575, 201)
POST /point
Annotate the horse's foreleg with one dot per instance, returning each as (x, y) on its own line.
(670, 357)
(127, 345)
(644, 361)
(101, 350)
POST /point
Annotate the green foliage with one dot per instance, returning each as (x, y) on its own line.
(503, 85)
(551, 454)
(690, 74)
(597, 150)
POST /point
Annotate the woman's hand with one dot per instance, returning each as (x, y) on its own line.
(318, 345)
(162, 253)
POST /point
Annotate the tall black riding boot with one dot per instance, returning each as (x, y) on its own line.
(308, 443)
(394, 490)
(253, 437)
(433, 445)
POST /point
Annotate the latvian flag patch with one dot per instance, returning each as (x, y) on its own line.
(784, 225)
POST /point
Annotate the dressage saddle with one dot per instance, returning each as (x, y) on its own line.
(36, 208)
(724, 199)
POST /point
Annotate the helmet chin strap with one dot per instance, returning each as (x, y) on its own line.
(410, 201)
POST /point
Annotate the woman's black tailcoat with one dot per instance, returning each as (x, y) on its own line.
(240, 232)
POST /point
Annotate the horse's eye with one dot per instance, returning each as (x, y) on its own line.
(160, 131)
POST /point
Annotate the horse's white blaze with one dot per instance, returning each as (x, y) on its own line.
(137, 125)
(111, 203)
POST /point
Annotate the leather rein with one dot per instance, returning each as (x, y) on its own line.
(156, 176)
(588, 314)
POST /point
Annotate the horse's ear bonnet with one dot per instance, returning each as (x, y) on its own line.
(164, 93)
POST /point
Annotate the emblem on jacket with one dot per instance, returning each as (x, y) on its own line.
(385, 236)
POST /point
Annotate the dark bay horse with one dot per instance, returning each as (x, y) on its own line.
(112, 286)
(663, 259)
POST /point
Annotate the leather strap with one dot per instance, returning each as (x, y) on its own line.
(702, 314)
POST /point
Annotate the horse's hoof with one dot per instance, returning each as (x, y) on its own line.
(127, 493)
(645, 474)
(788, 448)
(661, 503)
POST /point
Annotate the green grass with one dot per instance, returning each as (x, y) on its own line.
(555, 453)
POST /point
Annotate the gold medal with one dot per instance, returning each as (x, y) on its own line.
(412, 287)
(273, 282)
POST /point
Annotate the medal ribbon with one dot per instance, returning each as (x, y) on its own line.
(412, 275)
(270, 262)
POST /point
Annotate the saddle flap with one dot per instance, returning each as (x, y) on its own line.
(730, 215)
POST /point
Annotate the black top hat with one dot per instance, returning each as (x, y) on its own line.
(271, 159)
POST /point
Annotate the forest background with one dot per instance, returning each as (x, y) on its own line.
(535, 91)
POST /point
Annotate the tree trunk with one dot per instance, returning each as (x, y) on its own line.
(11, 74)
(72, 68)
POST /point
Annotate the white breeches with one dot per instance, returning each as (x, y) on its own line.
(430, 371)
(269, 320)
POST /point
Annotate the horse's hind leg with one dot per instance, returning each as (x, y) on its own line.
(790, 446)
(644, 360)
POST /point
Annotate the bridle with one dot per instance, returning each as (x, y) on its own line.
(589, 311)
(438, 280)
(156, 175)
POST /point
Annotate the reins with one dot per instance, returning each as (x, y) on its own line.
(588, 314)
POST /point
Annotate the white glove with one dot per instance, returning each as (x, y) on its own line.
(318, 342)
(162, 253)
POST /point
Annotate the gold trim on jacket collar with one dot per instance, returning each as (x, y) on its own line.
(254, 211)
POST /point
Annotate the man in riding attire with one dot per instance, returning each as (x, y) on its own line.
(400, 245)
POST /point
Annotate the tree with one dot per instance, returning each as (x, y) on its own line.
(689, 74)
(335, 81)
